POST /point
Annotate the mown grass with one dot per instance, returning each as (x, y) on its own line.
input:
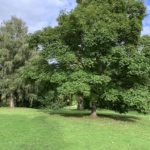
(31, 129)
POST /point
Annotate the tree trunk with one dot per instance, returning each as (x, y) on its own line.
(80, 103)
(11, 102)
(93, 110)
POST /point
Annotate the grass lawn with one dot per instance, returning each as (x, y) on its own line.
(30, 129)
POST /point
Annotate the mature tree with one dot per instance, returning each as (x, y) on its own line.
(14, 52)
(94, 54)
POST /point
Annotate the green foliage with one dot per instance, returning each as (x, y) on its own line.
(14, 52)
(96, 48)
(95, 54)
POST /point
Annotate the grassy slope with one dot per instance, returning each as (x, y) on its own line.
(29, 129)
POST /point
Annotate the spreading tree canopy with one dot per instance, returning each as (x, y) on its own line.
(98, 56)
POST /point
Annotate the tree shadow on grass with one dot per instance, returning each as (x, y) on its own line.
(119, 117)
(100, 115)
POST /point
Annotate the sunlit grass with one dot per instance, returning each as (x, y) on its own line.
(31, 129)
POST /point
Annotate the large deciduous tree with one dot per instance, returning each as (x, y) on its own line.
(96, 55)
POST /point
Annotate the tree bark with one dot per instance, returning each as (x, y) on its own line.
(80, 103)
(93, 110)
(11, 102)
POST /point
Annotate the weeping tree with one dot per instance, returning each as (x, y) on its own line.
(96, 48)
(14, 52)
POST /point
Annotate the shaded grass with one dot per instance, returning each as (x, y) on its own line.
(101, 114)
(30, 129)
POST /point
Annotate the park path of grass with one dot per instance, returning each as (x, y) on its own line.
(30, 129)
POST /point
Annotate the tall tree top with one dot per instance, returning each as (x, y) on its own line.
(14, 27)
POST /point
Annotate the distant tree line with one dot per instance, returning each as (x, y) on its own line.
(95, 57)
